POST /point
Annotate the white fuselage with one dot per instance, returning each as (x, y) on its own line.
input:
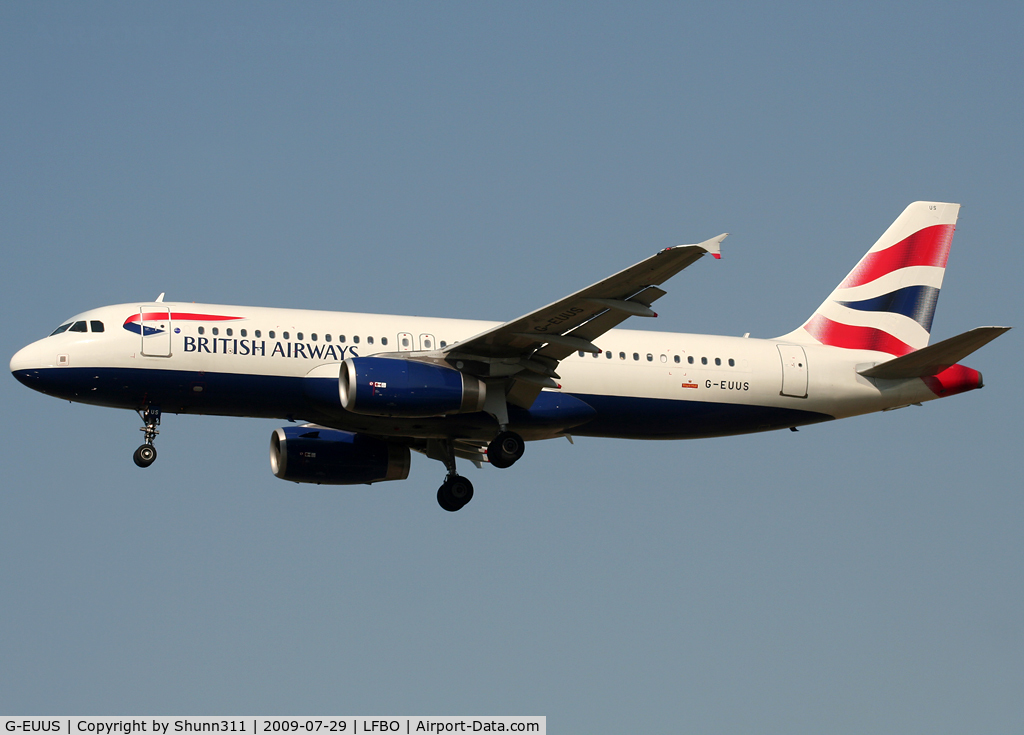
(636, 370)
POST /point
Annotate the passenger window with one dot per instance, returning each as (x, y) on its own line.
(284, 334)
(405, 341)
(622, 355)
(718, 361)
(608, 355)
(443, 344)
(676, 358)
(369, 341)
(257, 333)
(313, 336)
(78, 327)
(636, 355)
(582, 353)
(61, 328)
(356, 339)
(327, 338)
(650, 357)
(426, 344)
(271, 334)
(703, 361)
(732, 363)
(202, 330)
(384, 341)
(690, 359)
(341, 338)
(216, 331)
(664, 358)
(96, 326)
(229, 332)
(244, 333)
(298, 336)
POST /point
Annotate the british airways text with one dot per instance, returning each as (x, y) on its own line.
(307, 350)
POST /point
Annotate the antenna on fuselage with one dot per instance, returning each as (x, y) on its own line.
(159, 298)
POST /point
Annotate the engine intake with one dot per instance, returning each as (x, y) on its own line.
(385, 386)
(329, 457)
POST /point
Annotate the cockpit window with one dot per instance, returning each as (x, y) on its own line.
(96, 326)
(61, 328)
(78, 327)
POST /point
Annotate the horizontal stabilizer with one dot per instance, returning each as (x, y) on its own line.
(935, 358)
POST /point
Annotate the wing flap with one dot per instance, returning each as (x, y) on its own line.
(600, 324)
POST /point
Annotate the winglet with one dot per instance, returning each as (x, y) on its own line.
(714, 245)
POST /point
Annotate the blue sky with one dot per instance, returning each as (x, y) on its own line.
(479, 160)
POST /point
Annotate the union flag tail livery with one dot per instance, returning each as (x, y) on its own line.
(373, 388)
(887, 301)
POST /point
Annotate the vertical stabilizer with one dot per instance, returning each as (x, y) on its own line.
(887, 301)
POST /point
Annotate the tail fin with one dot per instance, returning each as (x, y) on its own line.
(887, 301)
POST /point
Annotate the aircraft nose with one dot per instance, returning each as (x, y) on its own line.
(26, 364)
(20, 361)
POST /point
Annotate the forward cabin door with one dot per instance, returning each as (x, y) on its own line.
(794, 371)
(404, 342)
(155, 323)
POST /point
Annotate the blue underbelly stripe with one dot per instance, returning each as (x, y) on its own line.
(293, 398)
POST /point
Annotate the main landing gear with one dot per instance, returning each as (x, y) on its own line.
(145, 455)
(454, 493)
(456, 490)
(505, 449)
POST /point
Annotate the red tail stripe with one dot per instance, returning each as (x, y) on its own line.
(929, 246)
(851, 337)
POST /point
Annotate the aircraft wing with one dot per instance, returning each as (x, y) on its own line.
(529, 347)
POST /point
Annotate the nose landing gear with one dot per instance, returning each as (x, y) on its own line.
(145, 455)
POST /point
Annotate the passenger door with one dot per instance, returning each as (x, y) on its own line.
(155, 323)
(794, 371)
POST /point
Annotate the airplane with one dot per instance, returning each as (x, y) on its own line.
(364, 390)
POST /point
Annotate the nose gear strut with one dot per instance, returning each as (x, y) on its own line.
(145, 455)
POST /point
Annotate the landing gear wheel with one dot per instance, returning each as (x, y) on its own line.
(145, 455)
(506, 448)
(454, 493)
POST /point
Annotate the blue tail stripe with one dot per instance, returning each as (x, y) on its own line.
(916, 302)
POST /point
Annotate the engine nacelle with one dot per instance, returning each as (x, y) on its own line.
(329, 457)
(387, 386)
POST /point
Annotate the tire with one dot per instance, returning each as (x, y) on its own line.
(445, 499)
(454, 493)
(461, 489)
(506, 448)
(145, 455)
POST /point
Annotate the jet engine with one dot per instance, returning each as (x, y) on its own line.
(385, 386)
(329, 457)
